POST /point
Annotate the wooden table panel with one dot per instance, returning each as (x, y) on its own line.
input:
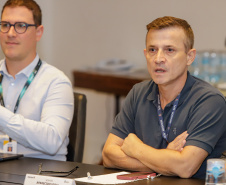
(108, 82)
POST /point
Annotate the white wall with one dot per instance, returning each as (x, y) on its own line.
(81, 32)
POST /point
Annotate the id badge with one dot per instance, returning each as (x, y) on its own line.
(10, 146)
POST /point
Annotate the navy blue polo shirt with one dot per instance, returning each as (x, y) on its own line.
(201, 111)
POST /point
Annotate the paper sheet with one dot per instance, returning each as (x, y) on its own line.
(105, 179)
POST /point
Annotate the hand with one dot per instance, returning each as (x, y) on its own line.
(130, 144)
(179, 142)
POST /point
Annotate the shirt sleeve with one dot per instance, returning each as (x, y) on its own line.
(48, 134)
(207, 124)
(124, 121)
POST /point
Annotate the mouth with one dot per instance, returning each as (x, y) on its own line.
(11, 43)
(160, 70)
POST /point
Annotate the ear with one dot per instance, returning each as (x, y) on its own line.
(191, 56)
(145, 52)
(39, 32)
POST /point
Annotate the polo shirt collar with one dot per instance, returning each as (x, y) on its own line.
(153, 92)
(187, 87)
(185, 91)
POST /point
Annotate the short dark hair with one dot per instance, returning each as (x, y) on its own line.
(29, 4)
(168, 21)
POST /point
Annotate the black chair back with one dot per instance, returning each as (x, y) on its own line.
(77, 129)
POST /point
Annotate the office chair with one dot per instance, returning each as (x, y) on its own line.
(77, 129)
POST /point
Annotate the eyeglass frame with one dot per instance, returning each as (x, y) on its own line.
(26, 25)
(55, 173)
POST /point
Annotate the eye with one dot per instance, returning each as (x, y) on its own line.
(151, 50)
(5, 25)
(170, 50)
(20, 25)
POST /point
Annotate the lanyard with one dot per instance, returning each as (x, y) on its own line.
(159, 111)
(26, 85)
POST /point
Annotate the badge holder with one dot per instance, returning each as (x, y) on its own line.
(10, 146)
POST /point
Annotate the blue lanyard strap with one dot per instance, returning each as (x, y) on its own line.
(165, 133)
(1, 91)
(30, 79)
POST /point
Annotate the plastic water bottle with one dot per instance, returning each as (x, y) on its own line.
(223, 67)
(195, 68)
(214, 67)
(205, 66)
(215, 172)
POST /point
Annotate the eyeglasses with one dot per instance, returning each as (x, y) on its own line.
(20, 27)
(56, 173)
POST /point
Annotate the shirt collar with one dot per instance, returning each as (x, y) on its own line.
(187, 87)
(26, 71)
(185, 91)
(154, 91)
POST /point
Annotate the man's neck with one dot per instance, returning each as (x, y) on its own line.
(168, 93)
(14, 67)
(167, 97)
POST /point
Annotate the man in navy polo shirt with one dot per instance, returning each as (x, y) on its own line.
(173, 123)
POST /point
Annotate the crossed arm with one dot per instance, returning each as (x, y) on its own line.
(132, 154)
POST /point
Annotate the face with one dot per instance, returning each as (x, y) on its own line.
(19, 47)
(166, 57)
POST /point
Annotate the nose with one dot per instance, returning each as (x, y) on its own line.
(160, 57)
(12, 31)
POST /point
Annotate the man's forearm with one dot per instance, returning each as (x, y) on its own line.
(114, 157)
(160, 160)
(165, 161)
(170, 162)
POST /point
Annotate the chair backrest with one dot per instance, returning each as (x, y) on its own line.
(77, 129)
